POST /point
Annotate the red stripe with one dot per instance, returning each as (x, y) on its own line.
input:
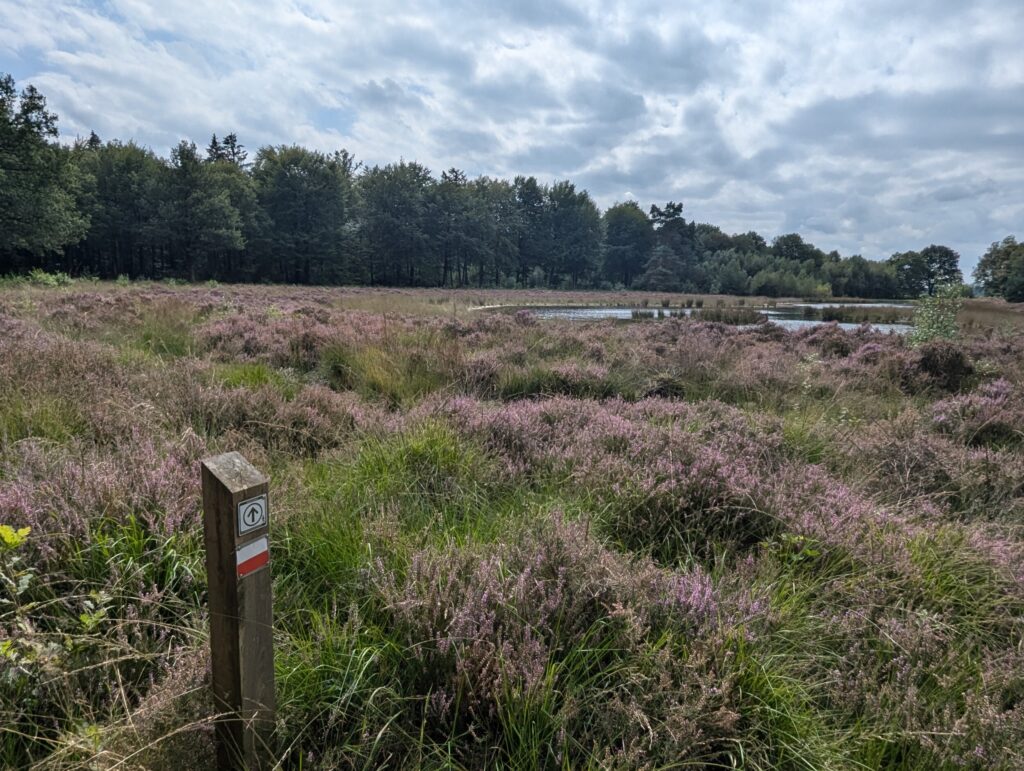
(251, 564)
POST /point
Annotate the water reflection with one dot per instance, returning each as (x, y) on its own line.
(790, 316)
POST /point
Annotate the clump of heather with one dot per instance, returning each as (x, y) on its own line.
(504, 631)
(67, 498)
(316, 418)
(904, 461)
(943, 366)
(829, 340)
(282, 341)
(991, 415)
(113, 582)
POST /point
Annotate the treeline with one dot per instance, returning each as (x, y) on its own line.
(290, 214)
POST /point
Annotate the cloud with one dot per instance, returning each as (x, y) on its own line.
(870, 127)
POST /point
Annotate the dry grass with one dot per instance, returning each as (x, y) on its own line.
(990, 313)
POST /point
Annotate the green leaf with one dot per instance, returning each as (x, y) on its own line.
(13, 538)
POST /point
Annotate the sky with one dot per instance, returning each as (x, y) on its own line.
(869, 127)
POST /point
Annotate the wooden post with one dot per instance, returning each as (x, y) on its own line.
(236, 520)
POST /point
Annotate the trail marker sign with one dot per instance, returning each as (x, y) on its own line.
(252, 514)
(236, 520)
(251, 557)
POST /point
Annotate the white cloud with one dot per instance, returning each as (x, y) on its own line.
(871, 126)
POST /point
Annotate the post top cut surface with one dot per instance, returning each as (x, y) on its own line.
(234, 471)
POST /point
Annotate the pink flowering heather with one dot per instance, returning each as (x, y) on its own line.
(993, 414)
(506, 541)
(488, 626)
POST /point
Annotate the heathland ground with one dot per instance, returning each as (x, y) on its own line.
(509, 543)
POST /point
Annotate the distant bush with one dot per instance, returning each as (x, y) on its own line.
(39, 277)
(935, 318)
(729, 315)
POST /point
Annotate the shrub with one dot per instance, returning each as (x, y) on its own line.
(40, 277)
(935, 317)
(944, 365)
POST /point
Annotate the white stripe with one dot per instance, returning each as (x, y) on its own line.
(250, 550)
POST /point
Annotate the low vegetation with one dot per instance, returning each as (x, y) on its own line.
(512, 543)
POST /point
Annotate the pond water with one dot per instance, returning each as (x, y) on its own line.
(789, 316)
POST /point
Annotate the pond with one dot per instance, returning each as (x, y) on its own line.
(787, 316)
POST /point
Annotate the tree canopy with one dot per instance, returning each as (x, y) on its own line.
(290, 214)
(1000, 271)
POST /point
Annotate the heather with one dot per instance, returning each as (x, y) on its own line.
(506, 542)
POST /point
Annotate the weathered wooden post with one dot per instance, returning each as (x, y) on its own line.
(236, 520)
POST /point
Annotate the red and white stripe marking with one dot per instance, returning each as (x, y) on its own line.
(252, 556)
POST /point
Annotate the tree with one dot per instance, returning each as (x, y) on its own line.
(227, 149)
(503, 214)
(534, 247)
(675, 233)
(400, 225)
(302, 216)
(727, 275)
(38, 181)
(935, 315)
(455, 225)
(750, 241)
(629, 237)
(1014, 291)
(911, 273)
(920, 273)
(663, 271)
(200, 223)
(214, 151)
(234, 151)
(801, 255)
(575, 231)
(124, 205)
(711, 239)
(307, 203)
(942, 267)
(994, 268)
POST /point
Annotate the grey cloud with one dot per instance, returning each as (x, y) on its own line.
(602, 104)
(862, 125)
(678, 62)
(423, 48)
(507, 98)
(460, 143)
(550, 159)
(387, 95)
(963, 190)
(888, 125)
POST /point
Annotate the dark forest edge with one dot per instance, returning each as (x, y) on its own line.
(294, 215)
